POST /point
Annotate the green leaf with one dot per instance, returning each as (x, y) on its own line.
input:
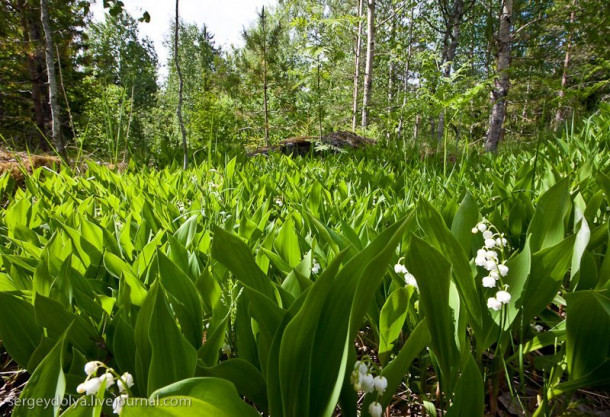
(547, 228)
(587, 324)
(441, 238)
(47, 383)
(19, 331)
(246, 377)
(391, 320)
(172, 357)
(469, 395)
(193, 397)
(234, 254)
(433, 275)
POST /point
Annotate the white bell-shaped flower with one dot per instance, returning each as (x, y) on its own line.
(381, 383)
(489, 282)
(375, 409)
(503, 297)
(118, 403)
(367, 382)
(494, 304)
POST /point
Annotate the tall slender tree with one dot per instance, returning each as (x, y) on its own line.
(370, 57)
(52, 77)
(357, 50)
(501, 86)
(180, 87)
(453, 16)
(560, 115)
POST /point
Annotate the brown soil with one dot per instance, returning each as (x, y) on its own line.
(17, 164)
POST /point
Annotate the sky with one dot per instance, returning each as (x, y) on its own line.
(224, 18)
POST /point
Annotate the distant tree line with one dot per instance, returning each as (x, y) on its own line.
(450, 70)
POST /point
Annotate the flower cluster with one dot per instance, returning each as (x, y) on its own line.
(316, 267)
(279, 202)
(400, 269)
(108, 376)
(363, 380)
(490, 257)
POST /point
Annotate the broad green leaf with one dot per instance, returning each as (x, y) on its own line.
(391, 320)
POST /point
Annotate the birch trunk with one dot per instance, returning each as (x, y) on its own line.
(357, 67)
(370, 56)
(265, 86)
(560, 115)
(52, 76)
(185, 150)
(502, 80)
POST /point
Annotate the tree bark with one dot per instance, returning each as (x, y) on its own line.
(405, 83)
(370, 56)
(452, 38)
(36, 70)
(357, 67)
(391, 70)
(265, 86)
(52, 77)
(185, 149)
(560, 115)
(502, 81)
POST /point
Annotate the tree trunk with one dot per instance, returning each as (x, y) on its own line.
(370, 56)
(502, 80)
(453, 34)
(36, 70)
(185, 149)
(357, 67)
(405, 83)
(390, 86)
(560, 115)
(265, 86)
(53, 90)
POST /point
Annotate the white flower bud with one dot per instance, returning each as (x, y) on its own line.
(494, 275)
(489, 282)
(488, 234)
(503, 297)
(494, 304)
(316, 267)
(362, 368)
(92, 386)
(475, 230)
(481, 253)
(118, 403)
(375, 409)
(491, 254)
(226, 349)
(126, 379)
(503, 270)
(490, 243)
(368, 383)
(381, 383)
(109, 379)
(410, 280)
(400, 269)
(482, 227)
(91, 367)
(81, 388)
(480, 261)
(490, 265)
